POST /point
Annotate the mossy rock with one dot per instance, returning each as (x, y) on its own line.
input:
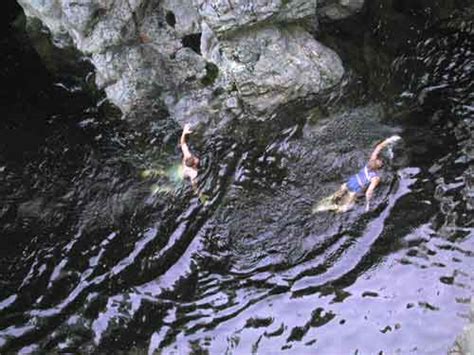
(212, 72)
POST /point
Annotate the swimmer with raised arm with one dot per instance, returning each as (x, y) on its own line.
(190, 162)
(365, 181)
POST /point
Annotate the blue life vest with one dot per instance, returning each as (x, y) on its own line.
(359, 182)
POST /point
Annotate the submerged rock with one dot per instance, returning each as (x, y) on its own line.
(207, 61)
(339, 9)
(464, 344)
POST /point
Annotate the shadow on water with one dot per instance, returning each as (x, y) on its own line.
(94, 260)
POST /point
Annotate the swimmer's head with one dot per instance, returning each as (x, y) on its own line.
(375, 164)
(191, 162)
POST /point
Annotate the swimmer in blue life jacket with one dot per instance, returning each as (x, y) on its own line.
(190, 162)
(366, 180)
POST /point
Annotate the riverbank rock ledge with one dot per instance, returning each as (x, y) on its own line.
(202, 60)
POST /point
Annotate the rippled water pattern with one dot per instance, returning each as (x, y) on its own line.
(93, 260)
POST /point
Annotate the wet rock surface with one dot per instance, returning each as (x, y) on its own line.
(339, 9)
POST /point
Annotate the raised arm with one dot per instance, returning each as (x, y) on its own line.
(382, 145)
(370, 191)
(182, 141)
(378, 149)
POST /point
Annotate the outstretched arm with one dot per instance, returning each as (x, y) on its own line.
(382, 145)
(370, 191)
(378, 149)
(182, 141)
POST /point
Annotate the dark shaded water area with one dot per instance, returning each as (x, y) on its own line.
(97, 257)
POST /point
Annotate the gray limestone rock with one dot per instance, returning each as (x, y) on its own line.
(276, 65)
(184, 18)
(212, 61)
(229, 15)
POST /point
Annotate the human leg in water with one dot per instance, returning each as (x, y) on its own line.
(347, 202)
(331, 202)
(337, 196)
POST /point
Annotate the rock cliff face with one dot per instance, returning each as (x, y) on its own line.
(207, 61)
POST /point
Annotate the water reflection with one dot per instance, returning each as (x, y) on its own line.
(94, 260)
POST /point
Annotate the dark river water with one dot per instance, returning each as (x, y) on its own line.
(101, 252)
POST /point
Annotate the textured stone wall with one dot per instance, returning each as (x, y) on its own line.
(208, 61)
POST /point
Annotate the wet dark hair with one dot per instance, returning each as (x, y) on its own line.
(190, 161)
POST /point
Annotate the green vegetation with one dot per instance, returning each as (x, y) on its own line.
(212, 71)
